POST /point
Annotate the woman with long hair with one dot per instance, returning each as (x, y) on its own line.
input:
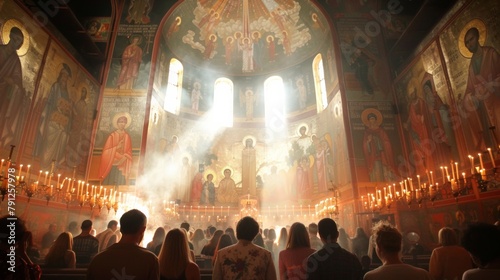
(209, 249)
(224, 241)
(158, 238)
(298, 248)
(61, 254)
(198, 241)
(174, 258)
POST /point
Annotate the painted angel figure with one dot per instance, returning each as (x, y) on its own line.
(248, 98)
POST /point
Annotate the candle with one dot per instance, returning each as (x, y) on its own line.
(442, 173)
(385, 192)
(489, 151)
(428, 177)
(452, 170)
(471, 164)
(1, 164)
(480, 161)
(463, 175)
(390, 191)
(411, 183)
(418, 181)
(446, 170)
(28, 171)
(456, 168)
(432, 179)
(20, 171)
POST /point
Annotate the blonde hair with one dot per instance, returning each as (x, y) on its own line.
(174, 254)
(447, 236)
(387, 237)
(57, 251)
(298, 237)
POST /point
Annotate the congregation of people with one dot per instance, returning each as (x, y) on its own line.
(320, 250)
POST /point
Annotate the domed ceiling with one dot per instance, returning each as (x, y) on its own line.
(245, 37)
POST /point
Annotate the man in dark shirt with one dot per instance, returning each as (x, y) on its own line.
(85, 245)
(332, 261)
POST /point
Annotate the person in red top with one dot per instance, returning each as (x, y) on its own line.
(116, 158)
(298, 248)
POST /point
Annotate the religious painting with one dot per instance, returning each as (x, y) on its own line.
(161, 73)
(364, 69)
(197, 92)
(248, 99)
(63, 115)
(98, 28)
(262, 36)
(300, 88)
(427, 114)
(333, 120)
(374, 132)
(118, 140)
(22, 45)
(471, 45)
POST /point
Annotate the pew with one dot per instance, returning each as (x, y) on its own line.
(81, 273)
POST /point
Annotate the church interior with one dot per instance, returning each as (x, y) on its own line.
(206, 111)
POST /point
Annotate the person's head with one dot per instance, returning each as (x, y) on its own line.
(86, 226)
(52, 228)
(271, 234)
(113, 225)
(159, 235)
(227, 172)
(313, 229)
(174, 254)
(63, 243)
(471, 39)
(482, 241)
(247, 228)
(249, 143)
(215, 237)
(210, 177)
(73, 226)
(121, 122)
(388, 239)
(360, 232)
(211, 230)
(16, 37)
(198, 235)
(83, 94)
(447, 236)
(283, 236)
(298, 237)
(328, 231)
(64, 74)
(230, 232)
(133, 223)
(372, 119)
(224, 241)
(186, 226)
(303, 130)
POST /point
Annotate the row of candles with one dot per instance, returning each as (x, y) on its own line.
(390, 192)
(82, 190)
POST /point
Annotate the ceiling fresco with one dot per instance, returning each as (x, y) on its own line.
(245, 36)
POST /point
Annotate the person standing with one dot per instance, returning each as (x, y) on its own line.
(116, 159)
(298, 249)
(131, 61)
(482, 241)
(244, 260)
(226, 192)
(55, 122)
(126, 259)
(208, 191)
(108, 237)
(174, 258)
(85, 245)
(332, 261)
(389, 240)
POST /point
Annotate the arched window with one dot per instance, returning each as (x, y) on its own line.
(319, 83)
(223, 102)
(174, 87)
(274, 96)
